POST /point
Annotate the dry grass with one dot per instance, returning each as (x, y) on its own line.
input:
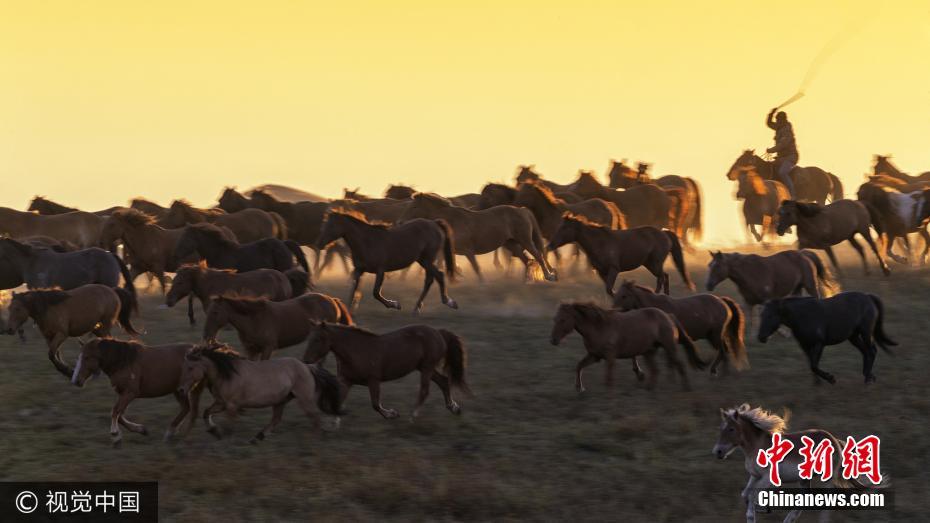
(527, 446)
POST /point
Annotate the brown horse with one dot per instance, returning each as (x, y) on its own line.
(621, 176)
(762, 278)
(717, 319)
(811, 184)
(138, 371)
(148, 207)
(237, 383)
(526, 173)
(883, 166)
(47, 207)
(11, 273)
(384, 210)
(642, 205)
(205, 283)
(822, 227)
(611, 334)
(366, 358)
(761, 199)
(548, 208)
(612, 252)
(210, 243)
(78, 228)
(265, 326)
(480, 232)
(884, 180)
(378, 248)
(399, 192)
(249, 225)
(896, 214)
(62, 314)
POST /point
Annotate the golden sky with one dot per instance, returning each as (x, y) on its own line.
(101, 101)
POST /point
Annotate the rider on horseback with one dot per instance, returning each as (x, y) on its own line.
(785, 149)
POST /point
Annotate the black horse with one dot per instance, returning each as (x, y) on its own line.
(208, 241)
(849, 316)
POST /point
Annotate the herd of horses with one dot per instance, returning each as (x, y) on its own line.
(244, 261)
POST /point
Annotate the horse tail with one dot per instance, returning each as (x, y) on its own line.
(875, 216)
(880, 336)
(853, 483)
(345, 317)
(688, 344)
(280, 224)
(679, 258)
(299, 280)
(128, 286)
(836, 192)
(734, 333)
(456, 360)
(677, 209)
(298, 253)
(828, 284)
(126, 303)
(448, 248)
(327, 391)
(697, 226)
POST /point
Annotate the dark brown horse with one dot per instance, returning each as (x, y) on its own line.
(480, 232)
(209, 242)
(717, 319)
(811, 184)
(265, 326)
(761, 199)
(379, 249)
(399, 192)
(11, 274)
(621, 176)
(78, 228)
(612, 252)
(822, 227)
(762, 278)
(205, 283)
(237, 383)
(369, 359)
(548, 208)
(527, 173)
(60, 315)
(138, 371)
(248, 225)
(148, 207)
(883, 166)
(642, 205)
(610, 334)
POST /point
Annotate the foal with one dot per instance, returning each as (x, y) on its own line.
(366, 358)
(138, 371)
(849, 316)
(610, 334)
(62, 314)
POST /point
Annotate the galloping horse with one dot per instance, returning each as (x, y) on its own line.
(378, 249)
(883, 166)
(896, 214)
(811, 184)
(621, 176)
(480, 232)
(642, 205)
(761, 199)
(209, 242)
(248, 225)
(822, 227)
(47, 207)
(366, 358)
(78, 228)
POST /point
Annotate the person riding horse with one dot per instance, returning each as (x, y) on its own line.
(785, 148)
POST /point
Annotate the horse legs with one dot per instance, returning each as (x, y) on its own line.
(185, 404)
(587, 360)
(277, 411)
(640, 376)
(881, 262)
(652, 369)
(669, 346)
(475, 267)
(852, 241)
(218, 406)
(662, 279)
(866, 346)
(425, 378)
(717, 341)
(190, 309)
(138, 428)
(443, 295)
(121, 403)
(609, 360)
(376, 292)
(756, 235)
(610, 279)
(354, 295)
(427, 283)
(54, 354)
(374, 390)
(833, 261)
(443, 383)
(926, 236)
(537, 253)
(814, 352)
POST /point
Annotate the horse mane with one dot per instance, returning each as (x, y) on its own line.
(587, 176)
(589, 310)
(806, 209)
(222, 356)
(544, 191)
(432, 198)
(572, 217)
(116, 355)
(263, 194)
(356, 216)
(760, 418)
(37, 302)
(350, 328)
(201, 266)
(142, 200)
(133, 217)
(511, 192)
(633, 285)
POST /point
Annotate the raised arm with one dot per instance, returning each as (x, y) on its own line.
(770, 119)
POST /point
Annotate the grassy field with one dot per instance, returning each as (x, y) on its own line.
(526, 447)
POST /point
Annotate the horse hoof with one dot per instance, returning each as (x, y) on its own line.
(452, 304)
(144, 431)
(580, 390)
(117, 443)
(831, 380)
(215, 432)
(391, 414)
(455, 409)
